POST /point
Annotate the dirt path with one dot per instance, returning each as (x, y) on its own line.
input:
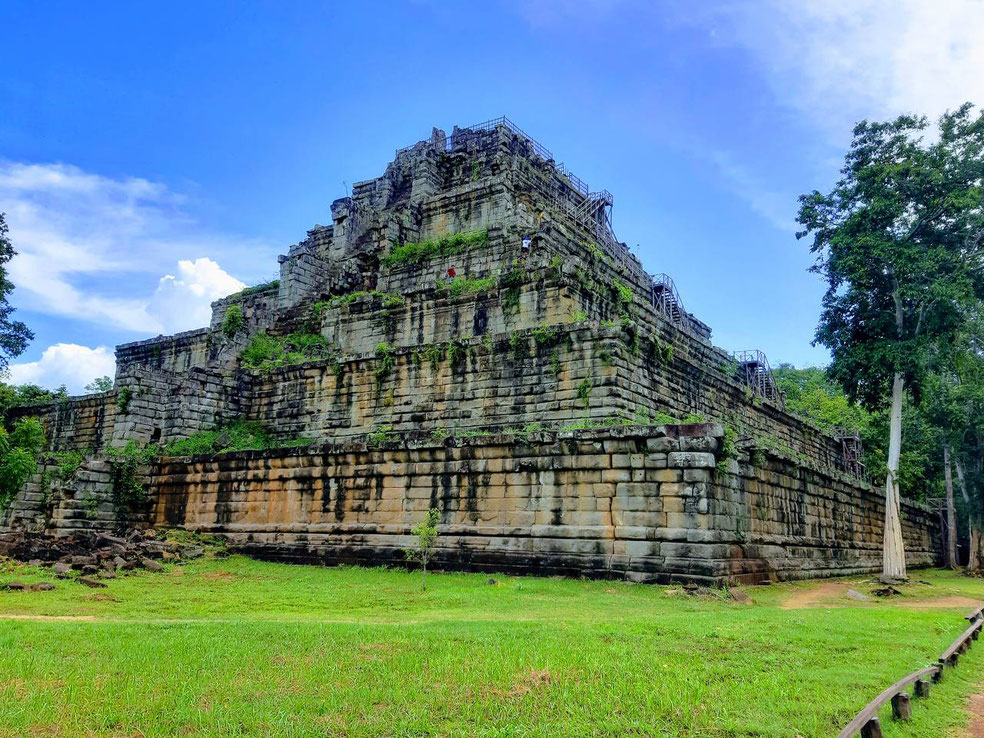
(975, 707)
(834, 594)
(815, 596)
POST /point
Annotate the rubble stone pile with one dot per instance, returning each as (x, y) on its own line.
(94, 556)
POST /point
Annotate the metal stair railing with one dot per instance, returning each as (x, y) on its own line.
(754, 371)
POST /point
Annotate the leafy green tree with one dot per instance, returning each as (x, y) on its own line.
(27, 394)
(14, 335)
(19, 451)
(954, 402)
(814, 396)
(899, 243)
(100, 384)
(426, 535)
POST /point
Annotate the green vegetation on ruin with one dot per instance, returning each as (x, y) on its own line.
(231, 646)
(264, 287)
(455, 243)
(466, 285)
(233, 321)
(386, 300)
(265, 353)
(237, 435)
(19, 451)
(123, 397)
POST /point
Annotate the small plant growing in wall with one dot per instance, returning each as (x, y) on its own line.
(519, 345)
(386, 362)
(233, 321)
(584, 391)
(457, 353)
(425, 542)
(510, 288)
(123, 398)
(729, 451)
(661, 351)
(128, 494)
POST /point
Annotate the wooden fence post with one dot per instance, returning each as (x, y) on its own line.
(872, 729)
(901, 707)
(922, 688)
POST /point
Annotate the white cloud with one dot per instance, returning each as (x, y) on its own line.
(182, 301)
(66, 363)
(778, 208)
(838, 61)
(79, 236)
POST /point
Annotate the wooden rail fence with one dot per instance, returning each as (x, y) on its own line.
(867, 723)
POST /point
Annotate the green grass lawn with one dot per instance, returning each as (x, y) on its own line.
(234, 647)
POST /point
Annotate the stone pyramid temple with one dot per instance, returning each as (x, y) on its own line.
(468, 334)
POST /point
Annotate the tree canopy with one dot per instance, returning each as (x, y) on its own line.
(900, 243)
(14, 335)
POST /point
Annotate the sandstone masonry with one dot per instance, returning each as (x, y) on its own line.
(554, 401)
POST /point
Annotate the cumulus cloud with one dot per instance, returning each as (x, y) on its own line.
(80, 236)
(65, 363)
(838, 61)
(182, 301)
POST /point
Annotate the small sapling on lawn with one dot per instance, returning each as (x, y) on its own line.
(423, 549)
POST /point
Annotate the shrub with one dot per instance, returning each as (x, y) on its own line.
(380, 436)
(233, 321)
(465, 285)
(415, 253)
(128, 494)
(271, 285)
(623, 296)
(545, 335)
(425, 533)
(19, 451)
(386, 362)
(235, 435)
(386, 299)
(265, 352)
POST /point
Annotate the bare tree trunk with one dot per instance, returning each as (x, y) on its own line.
(973, 555)
(951, 512)
(973, 522)
(893, 548)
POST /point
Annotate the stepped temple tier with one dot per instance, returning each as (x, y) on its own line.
(468, 334)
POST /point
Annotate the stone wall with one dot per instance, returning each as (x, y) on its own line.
(76, 423)
(566, 336)
(642, 503)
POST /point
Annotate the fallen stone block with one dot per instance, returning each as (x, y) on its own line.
(90, 582)
(151, 565)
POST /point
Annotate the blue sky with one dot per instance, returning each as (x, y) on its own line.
(156, 156)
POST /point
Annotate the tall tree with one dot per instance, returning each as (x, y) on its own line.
(14, 335)
(899, 243)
